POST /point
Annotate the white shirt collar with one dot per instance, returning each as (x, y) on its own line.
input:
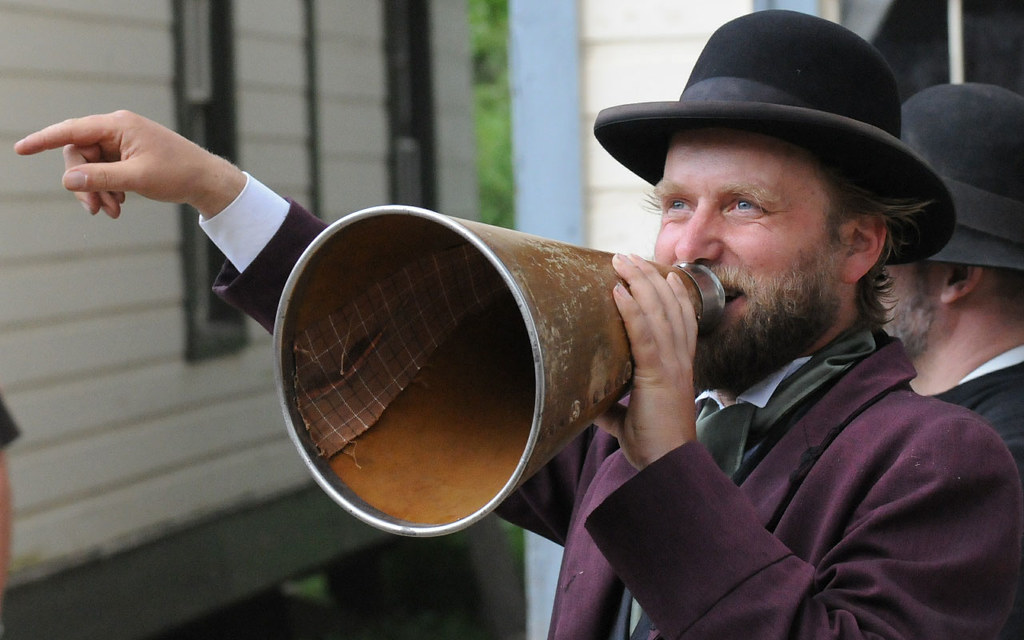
(759, 394)
(1002, 361)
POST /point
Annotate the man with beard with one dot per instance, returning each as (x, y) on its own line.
(960, 314)
(808, 492)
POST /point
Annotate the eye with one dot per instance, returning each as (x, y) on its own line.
(747, 207)
(674, 206)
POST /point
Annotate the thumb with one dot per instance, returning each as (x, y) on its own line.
(101, 176)
(613, 419)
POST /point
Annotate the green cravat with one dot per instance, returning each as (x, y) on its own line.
(725, 432)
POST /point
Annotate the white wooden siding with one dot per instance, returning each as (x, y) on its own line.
(270, 68)
(353, 106)
(122, 439)
(634, 51)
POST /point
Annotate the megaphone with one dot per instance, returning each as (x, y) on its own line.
(427, 366)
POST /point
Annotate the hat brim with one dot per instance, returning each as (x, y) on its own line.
(989, 229)
(638, 136)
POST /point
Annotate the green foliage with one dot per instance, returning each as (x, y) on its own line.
(488, 23)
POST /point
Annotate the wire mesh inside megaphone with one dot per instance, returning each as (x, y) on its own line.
(351, 364)
(452, 366)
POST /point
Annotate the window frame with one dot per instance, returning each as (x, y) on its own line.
(204, 90)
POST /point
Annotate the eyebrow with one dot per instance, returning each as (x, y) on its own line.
(663, 188)
(766, 198)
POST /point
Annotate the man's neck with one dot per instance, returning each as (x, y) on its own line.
(966, 345)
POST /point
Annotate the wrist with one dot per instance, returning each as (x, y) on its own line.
(221, 185)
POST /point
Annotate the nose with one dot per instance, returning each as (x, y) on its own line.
(694, 238)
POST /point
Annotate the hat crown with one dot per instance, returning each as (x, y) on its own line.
(972, 133)
(973, 136)
(794, 59)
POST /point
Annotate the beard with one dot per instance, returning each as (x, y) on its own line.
(784, 316)
(913, 314)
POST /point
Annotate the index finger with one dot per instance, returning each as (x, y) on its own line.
(77, 131)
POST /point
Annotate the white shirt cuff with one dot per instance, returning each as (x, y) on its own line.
(246, 225)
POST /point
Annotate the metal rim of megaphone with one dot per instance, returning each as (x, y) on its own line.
(711, 290)
(319, 466)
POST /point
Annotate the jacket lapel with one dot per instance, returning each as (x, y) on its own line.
(770, 484)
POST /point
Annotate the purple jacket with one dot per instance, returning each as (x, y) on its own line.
(906, 525)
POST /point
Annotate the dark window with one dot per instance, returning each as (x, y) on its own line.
(206, 114)
(411, 100)
(312, 104)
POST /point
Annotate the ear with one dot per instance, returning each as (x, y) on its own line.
(862, 239)
(958, 281)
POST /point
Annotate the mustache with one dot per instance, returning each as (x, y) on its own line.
(735, 280)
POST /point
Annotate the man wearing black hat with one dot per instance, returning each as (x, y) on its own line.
(824, 498)
(960, 314)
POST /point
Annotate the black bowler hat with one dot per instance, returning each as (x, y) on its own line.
(973, 134)
(807, 81)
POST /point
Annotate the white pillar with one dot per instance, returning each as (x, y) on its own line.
(544, 75)
(955, 15)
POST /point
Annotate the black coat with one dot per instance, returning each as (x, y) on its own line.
(999, 398)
